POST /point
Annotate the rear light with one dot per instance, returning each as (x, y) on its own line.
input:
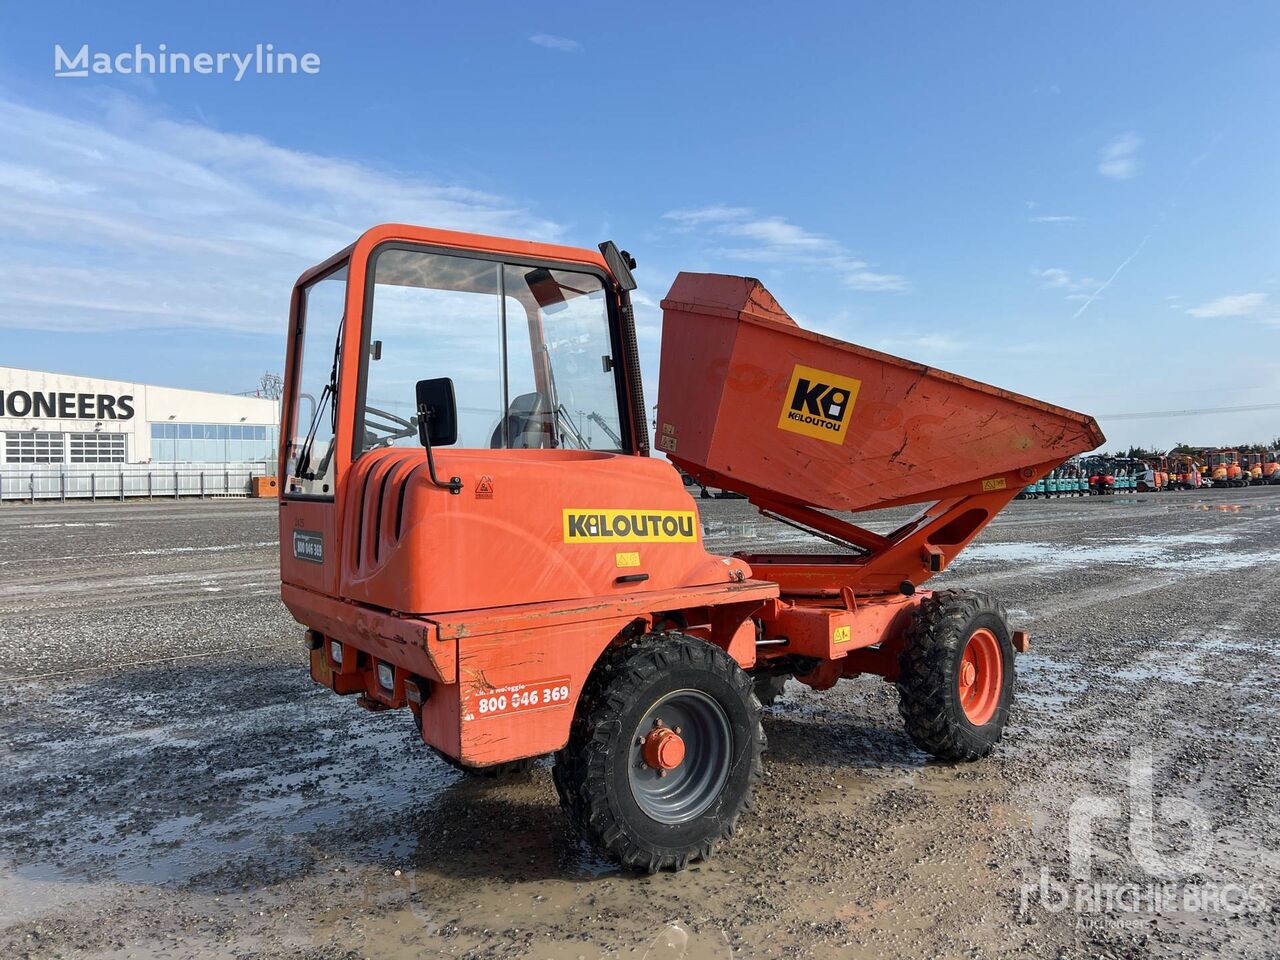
(386, 676)
(335, 651)
(413, 692)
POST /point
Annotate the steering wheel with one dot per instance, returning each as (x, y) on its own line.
(392, 426)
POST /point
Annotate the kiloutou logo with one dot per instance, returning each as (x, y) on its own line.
(634, 526)
(818, 403)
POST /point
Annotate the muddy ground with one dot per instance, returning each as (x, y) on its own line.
(173, 785)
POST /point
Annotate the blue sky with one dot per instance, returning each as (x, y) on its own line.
(1079, 202)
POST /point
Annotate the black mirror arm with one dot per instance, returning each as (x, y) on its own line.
(454, 484)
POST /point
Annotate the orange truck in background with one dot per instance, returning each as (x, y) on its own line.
(473, 530)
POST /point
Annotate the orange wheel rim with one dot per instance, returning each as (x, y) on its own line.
(980, 677)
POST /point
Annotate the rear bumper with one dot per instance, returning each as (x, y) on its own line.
(502, 683)
(411, 643)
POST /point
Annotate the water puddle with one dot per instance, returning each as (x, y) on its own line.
(1166, 672)
(1192, 551)
(1046, 684)
(1252, 507)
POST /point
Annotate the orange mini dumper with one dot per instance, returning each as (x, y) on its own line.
(472, 526)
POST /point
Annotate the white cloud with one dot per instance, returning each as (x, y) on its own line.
(1056, 219)
(1235, 305)
(740, 234)
(774, 233)
(1055, 278)
(1083, 290)
(1118, 160)
(689, 219)
(551, 42)
(124, 219)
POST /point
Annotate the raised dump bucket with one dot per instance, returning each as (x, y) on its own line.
(750, 402)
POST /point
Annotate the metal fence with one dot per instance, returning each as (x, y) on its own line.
(108, 481)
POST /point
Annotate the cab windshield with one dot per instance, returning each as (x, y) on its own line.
(528, 349)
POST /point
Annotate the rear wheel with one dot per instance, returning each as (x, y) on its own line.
(663, 753)
(956, 675)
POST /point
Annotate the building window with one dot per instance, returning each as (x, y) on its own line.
(33, 446)
(97, 447)
(211, 442)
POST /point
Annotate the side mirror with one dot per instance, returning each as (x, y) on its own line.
(620, 264)
(437, 413)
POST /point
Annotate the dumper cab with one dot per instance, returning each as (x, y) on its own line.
(472, 528)
(536, 358)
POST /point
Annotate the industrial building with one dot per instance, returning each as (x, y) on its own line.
(55, 418)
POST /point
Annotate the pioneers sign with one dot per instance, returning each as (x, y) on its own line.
(66, 406)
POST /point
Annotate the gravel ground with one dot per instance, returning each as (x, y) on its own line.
(175, 786)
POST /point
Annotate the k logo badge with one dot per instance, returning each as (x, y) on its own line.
(818, 403)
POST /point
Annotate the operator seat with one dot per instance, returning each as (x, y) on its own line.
(528, 424)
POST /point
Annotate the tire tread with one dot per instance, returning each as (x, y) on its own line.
(581, 769)
(927, 701)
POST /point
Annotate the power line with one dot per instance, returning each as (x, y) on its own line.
(1203, 411)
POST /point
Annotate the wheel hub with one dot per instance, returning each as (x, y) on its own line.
(663, 749)
(680, 755)
(980, 677)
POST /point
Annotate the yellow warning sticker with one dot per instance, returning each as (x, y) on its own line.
(633, 526)
(842, 634)
(818, 404)
(627, 559)
(995, 483)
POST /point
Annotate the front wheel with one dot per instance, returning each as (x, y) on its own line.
(956, 675)
(663, 753)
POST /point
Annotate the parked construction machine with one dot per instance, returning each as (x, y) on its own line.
(1184, 472)
(1271, 467)
(459, 544)
(1224, 468)
(1103, 474)
(1251, 469)
(1152, 473)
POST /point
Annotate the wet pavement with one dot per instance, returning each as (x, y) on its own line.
(175, 786)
